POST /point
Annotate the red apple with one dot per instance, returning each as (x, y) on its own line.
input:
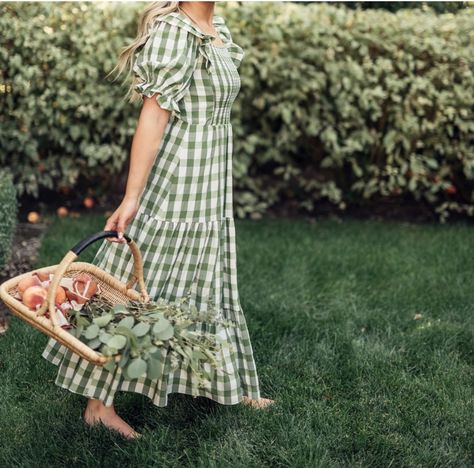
(62, 211)
(88, 202)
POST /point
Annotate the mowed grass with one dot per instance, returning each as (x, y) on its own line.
(362, 331)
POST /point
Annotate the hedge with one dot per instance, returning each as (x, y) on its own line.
(8, 215)
(337, 105)
(439, 7)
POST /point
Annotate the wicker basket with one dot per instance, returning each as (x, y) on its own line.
(111, 289)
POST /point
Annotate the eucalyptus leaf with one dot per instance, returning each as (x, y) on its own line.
(117, 341)
(124, 331)
(165, 334)
(154, 368)
(125, 358)
(95, 343)
(127, 322)
(92, 331)
(82, 321)
(103, 320)
(145, 342)
(141, 329)
(104, 337)
(136, 368)
(119, 308)
(161, 325)
(128, 332)
(76, 332)
(110, 366)
(106, 351)
(198, 354)
(157, 354)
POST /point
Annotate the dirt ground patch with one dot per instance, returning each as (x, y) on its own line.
(26, 242)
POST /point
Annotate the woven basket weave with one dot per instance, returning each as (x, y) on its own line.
(111, 288)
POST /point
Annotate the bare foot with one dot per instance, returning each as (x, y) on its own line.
(96, 412)
(260, 403)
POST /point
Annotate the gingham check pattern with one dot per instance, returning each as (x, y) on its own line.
(184, 226)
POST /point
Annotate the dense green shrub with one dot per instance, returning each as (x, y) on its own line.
(60, 116)
(8, 213)
(336, 104)
(439, 7)
(356, 105)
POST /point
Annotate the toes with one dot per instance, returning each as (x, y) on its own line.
(89, 420)
(132, 435)
(260, 403)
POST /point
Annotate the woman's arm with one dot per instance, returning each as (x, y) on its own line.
(146, 141)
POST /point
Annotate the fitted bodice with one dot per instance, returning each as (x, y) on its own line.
(212, 93)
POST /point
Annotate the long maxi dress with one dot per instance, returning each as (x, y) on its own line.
(184, 226)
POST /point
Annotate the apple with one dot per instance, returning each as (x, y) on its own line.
(83, 288)
(33, 217)
(34, 296)
(88, 202)
(62, 211)
(27, 282)
(60, 295)
(85, 285)
(42, 275)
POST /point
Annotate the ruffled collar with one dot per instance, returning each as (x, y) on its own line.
(181, 20)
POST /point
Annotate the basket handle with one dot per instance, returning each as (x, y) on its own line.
(72, 255)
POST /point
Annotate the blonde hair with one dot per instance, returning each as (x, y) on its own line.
(127, 54)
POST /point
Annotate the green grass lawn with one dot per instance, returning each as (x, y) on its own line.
(331, 310)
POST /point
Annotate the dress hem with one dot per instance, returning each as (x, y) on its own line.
(215, 399)
(151, 217)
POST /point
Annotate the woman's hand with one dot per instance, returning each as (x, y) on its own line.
(121, 217)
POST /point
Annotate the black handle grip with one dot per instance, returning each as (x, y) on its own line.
(83, 244)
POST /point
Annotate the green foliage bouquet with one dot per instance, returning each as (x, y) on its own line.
(152, 338)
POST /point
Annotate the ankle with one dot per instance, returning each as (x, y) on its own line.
(94, 405)
(97, 407)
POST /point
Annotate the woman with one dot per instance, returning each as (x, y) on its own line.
(178, 202)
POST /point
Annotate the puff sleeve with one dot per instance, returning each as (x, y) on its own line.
(165, 65)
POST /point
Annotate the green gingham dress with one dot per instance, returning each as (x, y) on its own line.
(184, 226)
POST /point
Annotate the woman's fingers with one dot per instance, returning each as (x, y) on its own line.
(121, 226)
(111, 225)
(120, 219)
